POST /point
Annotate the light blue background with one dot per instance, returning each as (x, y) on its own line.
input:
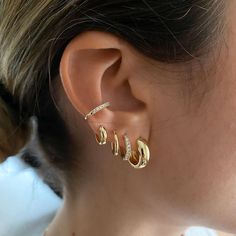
(27, 204)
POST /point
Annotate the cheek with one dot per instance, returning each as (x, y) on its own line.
(194, 164)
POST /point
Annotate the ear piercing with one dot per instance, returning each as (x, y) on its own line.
(137, 158)
(96, 109)
(140, 158)
(101, 138)
(115, 145)
(128, 151)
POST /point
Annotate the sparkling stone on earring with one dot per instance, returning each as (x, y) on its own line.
(127, 148)
(96, 109)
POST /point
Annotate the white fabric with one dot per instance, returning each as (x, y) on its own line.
(199, 231)
(27, 205)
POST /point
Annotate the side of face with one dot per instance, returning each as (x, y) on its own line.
(185, 111)
(193, 141)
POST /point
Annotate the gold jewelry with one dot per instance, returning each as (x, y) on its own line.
(101, 138)
(96, 109)
(140, 160)
(127, 153)
(115, 145)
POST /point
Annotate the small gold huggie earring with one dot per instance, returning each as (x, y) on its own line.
(96, 109)
(101, 138)
(125, 154)
(115, 145)
(140, 160)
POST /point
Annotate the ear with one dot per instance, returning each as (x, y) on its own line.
(96, 68)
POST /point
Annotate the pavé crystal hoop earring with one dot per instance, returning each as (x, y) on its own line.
(96, 109)
(125, 154)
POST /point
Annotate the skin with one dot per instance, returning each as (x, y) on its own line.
(190, 129)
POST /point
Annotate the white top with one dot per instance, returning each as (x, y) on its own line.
(195, 231)
(28, 205)
(200, 231)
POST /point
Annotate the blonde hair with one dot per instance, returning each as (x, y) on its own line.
(22, 45)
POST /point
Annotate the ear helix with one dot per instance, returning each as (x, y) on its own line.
(138, 158)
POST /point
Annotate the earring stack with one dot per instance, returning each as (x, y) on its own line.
(138, 157)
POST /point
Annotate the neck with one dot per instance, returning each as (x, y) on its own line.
(107, 210)
(111, 198)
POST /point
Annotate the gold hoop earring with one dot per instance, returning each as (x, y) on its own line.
(125, 154)
(101, 138)
(115, 145)
(140, 160)
(96, 109)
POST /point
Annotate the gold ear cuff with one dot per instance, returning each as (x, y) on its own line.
(138, 158)
(96, 109)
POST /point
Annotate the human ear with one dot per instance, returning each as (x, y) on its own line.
(96, 68)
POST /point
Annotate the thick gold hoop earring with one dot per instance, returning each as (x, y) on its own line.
(140, 158)
(115, 145)
(101, 138)
(125, 154)
(96, 109)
